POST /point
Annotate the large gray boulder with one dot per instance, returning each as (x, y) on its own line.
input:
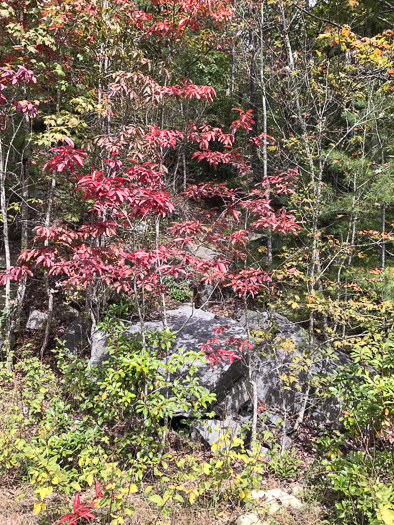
(193, 327)
(75, 337)
(282, 365)
(99, 353)
(286, 368)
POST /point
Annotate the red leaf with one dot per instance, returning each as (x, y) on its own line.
(76, 503)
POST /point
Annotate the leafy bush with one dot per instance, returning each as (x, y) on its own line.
(177, 290)
(359, 465)
(286, 465)
(124, 307)
(106, 423)
(230, 473)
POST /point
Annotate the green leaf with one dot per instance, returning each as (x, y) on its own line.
(157, 499)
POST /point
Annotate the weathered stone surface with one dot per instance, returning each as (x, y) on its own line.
(205, 295)
(274, 499)
(298, 491)
(288, 349)
(36, 320)
(193, 326)
(256, 236)
(75, 337)
(203, 252)
(99, 352)
(250, 519)
(287, 442)
(272, 419)
(210, 430)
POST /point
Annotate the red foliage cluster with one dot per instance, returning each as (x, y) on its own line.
(129, 189)
(24, 106)
(81, 511)
(215, 353)
(21, 76)
(66, 158)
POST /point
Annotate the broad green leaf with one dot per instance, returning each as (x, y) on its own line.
(157, 499)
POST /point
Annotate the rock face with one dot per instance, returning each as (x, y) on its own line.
(210, 430)
(284, 367)
(76, 336)
(36, 320)
(280, 366)
(99, 353)
(193, 326)
(203, 252)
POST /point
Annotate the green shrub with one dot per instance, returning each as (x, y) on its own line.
(286, 465)
(359, 463)
(108, 422)
(176, 289)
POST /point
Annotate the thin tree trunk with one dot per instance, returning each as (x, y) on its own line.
(232, 81)
(251, 378)
(50, 292)
(264, 146)
(184, 171)
(48, 323)
(317, 180)
(165, 327)
(25, 176)
(7, 257)
(383, 239)
(253, 79)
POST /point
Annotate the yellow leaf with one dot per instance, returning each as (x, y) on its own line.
(192, 497)
(37, 508)
(206, 468)
(386, 514)
(133, 489)
(43, 492)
